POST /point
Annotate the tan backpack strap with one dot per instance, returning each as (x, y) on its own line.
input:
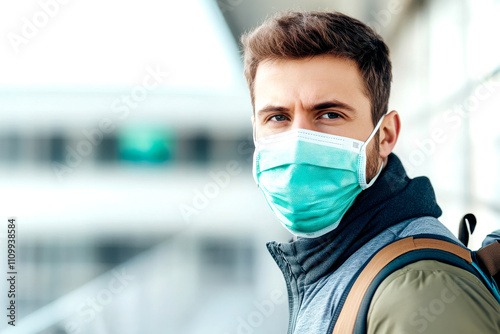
(490, 257)
(347, 318)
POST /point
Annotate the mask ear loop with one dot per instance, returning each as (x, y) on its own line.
(363, 158)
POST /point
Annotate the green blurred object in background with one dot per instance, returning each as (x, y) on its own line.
(150, 144)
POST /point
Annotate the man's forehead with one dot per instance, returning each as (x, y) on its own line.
(314, 80)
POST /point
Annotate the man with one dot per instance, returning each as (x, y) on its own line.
(320, 85)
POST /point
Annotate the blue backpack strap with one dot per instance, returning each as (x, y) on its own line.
(352, 317)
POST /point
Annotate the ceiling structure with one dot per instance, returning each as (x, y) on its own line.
(244, 15)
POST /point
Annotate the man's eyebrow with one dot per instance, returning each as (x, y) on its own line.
(333, 104)
(319, 106)
(271, 108)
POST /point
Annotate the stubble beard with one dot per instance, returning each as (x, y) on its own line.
(373, 160)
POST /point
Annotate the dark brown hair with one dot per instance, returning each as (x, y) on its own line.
(297, 35)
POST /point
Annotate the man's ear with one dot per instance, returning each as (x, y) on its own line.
(389, 133)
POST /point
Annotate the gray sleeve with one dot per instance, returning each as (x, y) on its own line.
(432, 297)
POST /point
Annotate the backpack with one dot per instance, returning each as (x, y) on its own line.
(488, 256)
(483, 263)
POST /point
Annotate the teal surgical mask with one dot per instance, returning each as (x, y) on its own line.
(310, 179)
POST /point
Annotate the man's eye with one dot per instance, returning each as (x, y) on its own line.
(278, 118)
(330, 115)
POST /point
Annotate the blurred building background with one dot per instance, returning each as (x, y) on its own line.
(126, 150)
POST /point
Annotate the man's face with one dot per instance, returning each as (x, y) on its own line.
(322, 93)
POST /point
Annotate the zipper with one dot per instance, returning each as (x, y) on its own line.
(286, 269)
